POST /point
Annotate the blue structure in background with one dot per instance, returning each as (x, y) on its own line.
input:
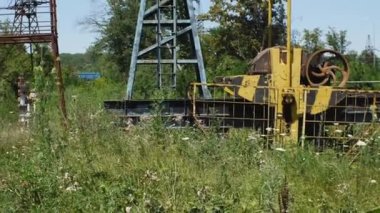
(89, 76)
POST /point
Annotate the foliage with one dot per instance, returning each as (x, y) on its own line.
(117, 29)
(250, 19)
(13, 62)
(76, 61)
(96, 166)
(312, 40)
(363, 72)
(337, 40)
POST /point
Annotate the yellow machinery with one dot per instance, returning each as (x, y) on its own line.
(304, 96)
(287, 96)
(311, 88)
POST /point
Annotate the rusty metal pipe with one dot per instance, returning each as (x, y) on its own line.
(57, 61)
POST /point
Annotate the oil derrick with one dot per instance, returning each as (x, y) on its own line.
(369, 56)
(34, 21)
(25, 17)
(176, 43)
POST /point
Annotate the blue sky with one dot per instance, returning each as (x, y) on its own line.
(73, 36)
(359, 18)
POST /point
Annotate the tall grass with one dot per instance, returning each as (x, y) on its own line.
(97, 166)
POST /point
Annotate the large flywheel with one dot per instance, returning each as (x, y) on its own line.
(327, 67)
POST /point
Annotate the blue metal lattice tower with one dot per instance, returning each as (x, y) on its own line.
(172, 20)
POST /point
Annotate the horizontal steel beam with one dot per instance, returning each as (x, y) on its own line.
(153, 9)
(23, 39)
(167, 61)
(164, 41)
(167, 22)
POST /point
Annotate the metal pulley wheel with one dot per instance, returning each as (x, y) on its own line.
(327, 67)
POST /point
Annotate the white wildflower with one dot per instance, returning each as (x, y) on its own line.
(71, 189)
(178, 118)
(338, 131)
(373, 181)
(185, 138)
(361, 143)
(342, 188)
(66, 176)
(261, 164)
(349, 135)
(128, 209)
(92, 116)
(152, 176)
(202, 193)
(280, 149)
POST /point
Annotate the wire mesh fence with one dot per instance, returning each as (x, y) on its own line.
(349, 118)
(226, 110)
(338, 119)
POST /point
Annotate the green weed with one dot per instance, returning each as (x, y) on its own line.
(97, 166)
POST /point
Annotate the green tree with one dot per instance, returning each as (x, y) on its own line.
(242, 29)
(13, 61)
(117, 30)
(352, 55)
(312, 40)
(368, 56)
(337, 40)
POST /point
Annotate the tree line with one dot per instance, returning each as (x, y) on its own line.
(239, 34)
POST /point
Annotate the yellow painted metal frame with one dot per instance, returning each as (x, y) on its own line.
(285, 89)
(248, 87)
(284, 134)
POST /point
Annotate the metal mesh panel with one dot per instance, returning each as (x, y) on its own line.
(350, 119)
(226, 110)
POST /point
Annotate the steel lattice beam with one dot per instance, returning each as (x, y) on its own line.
(179, 25)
